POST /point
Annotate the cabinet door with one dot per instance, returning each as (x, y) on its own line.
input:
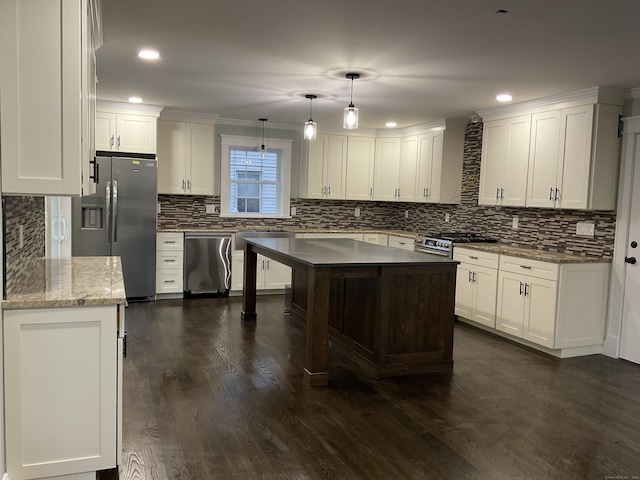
(237, 271)
(430, 158)
(360, 164)
(200, 158)
(510, 303)
(136, 133)
(105, 131)
(540, 313)
(386, 169)
(494, 159)
(574, 174)
(171, 157)
(486, 286)
(336, 168)
(41, 46)
(464, 291)
(408, 169)
(277, 275)
(543, 159)
(60, 368)
(316, 162)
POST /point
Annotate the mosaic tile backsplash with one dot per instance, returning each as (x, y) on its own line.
(28, 212)
(548, 230)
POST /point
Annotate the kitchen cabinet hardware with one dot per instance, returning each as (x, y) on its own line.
(473, 257)
(557, 197)
(118, 145)
(526, 289)
(521, 287)
(551, 194)
(470, 275)
(183, 184)
(630, 260)
(189, 185)
(634, 244)
(371, 192)
(96, 170)
(169, 281)
(112, 140)
(169, 259)
(528, 267)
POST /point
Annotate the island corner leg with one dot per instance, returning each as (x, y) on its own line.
(315, 373)
(248, 313)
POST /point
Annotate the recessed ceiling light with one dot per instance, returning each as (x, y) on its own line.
(135, 100)
(504, 97)
(391, 124)
(148, 54)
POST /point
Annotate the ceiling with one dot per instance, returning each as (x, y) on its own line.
(420, 60)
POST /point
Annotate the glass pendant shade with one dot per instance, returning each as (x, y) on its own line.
(350, 117)
(263, 153)
(310, 129)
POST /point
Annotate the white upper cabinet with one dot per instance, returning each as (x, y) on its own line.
(324, 173)
(360, 164)
(440, 159)
(124, 128)
(573, 160)
(47, 87)
(386, 169)
(505, 156)
(560, 152)
(185, 157)
(407, 169)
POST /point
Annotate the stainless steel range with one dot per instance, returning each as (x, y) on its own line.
(442, 243)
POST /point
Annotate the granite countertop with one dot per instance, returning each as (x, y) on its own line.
(399, 233)
(70, 282)
(531, 253)
(342, 252)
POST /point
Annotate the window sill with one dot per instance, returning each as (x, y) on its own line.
(257, 217)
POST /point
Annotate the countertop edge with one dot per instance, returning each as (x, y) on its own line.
(530, 254)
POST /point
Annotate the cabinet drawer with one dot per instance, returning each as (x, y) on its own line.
(169, 259)
(405, 243)
(533, 268)
(476, 257)
(170, 241)
(169, 281)
(352, 236)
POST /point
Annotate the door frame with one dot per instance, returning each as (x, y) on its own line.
(630, 141)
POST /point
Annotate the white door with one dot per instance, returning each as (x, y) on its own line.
(630, 339)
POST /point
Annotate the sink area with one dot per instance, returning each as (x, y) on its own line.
(242, 235)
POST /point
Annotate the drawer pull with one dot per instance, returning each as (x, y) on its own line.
(473, 258)
(169, 260)
(169, 281)
(525, 266)
(169, 241)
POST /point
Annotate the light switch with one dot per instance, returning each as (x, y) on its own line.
(357, 212)
(514, 223)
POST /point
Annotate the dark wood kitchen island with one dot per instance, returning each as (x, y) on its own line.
(393, 309)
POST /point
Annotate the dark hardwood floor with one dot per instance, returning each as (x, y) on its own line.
(206, 397)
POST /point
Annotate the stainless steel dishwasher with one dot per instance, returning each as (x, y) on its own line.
(207, 263)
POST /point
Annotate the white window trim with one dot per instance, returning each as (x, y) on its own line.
(284, 195)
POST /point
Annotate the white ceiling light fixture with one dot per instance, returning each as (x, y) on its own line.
(350, 121)
(391, 124)
(263, 150)
(135, 100)
(504, 97)
(310, 127)
(148, 54)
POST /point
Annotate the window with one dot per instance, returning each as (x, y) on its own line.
(252, 186)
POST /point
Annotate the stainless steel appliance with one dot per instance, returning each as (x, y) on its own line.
(207, 263)
(442, 243)
(120, 218)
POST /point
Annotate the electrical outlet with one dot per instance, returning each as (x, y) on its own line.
(357, 212)
(514, 223)
(406, 214)
(446, 218)
(159, 207)
(210, 209)
(585, 229)
(293, 211)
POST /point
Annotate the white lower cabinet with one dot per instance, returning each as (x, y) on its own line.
(62, 385)
(376, 238)
(169, 262)
(270, 275)
(396, 241)
(476, 286)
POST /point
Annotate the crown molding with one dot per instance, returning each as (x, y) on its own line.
(607, 95)
(122, 107)
(195, 117)
(257, 123)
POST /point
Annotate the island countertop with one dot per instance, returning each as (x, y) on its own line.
(340, 252)
(70, 282)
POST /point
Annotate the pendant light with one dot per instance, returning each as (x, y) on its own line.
(310, 127)
(263, 150)
(350, 121)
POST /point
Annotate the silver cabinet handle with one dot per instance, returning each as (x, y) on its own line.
(501, 193)
(169, 281)
(263, 264)
(329, 190)
(474, 277)
(115, 211)
(521, 287)
(470, 276)
(498, 193)
(526, 289)
(183, 184)
(551, 194)
(398, 192)
(267, 264)
(118, 142)
(371, 191)
(189, 185)
(111, 140)
(557, 197)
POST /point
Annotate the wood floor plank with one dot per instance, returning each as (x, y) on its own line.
(207, 397)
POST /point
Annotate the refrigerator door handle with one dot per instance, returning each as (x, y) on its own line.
(107, 196)
(115, 211)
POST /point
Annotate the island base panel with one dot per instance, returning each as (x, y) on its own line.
(315, 379)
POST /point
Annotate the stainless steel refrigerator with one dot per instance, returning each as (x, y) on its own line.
(120, 219)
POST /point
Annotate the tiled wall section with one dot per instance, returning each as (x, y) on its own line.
(28, 212)
(549, 230)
